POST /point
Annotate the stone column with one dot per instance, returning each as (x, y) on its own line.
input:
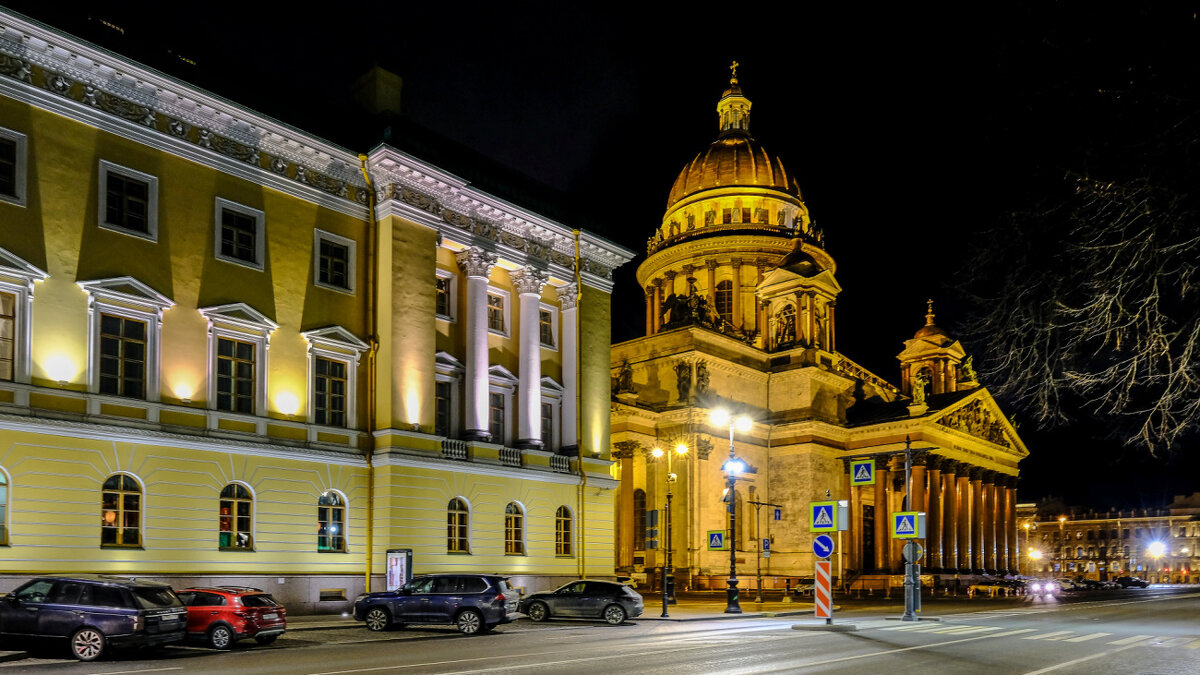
(568, 298)
(949, 515)
(856, 524)
(737, 294)
(964, 518)
(832, 328)
(669, 284)
(529, 282)
(650, 303)
(657, 305)
(1001, 523)
(711, 266)
(989, 522)
(896, 496)
(916, 501)
(933, 516)
(1010, 523)
(623, 453)
(977, 519)
(477, 264)
(881, 516)
(848, 554)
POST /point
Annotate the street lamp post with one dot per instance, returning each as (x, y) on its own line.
(668, 587)
(732, 467)
(1026, 526)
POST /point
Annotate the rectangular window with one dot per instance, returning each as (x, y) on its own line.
(746, 214)
(8, 167)
(334, 264)
(8, 340)
(238, 234)
(496, 313)
(128, 201)
(329, 393)
(122, 356)
(235, 376)
(726, 216)
(547, 425)
(441, 408)
(443, 297)
(496, 417)
(546, 327)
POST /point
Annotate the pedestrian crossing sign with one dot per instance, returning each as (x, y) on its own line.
(716, 540)
(862, 472)
(822, 516)
(908, 525)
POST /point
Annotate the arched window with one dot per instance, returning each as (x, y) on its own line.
(1079, 552)
(331, 523)
(457, 520)
(236, 509)
(3, 508)
(639, 519)
(514, 529)
(121, 511)
(563, 528)
(723, 299)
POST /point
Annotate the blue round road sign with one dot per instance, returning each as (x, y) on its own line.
(823, 546)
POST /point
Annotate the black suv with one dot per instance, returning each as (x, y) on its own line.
(476, 603)
(94, 612)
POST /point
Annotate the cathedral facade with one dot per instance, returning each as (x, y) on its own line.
(741, 314)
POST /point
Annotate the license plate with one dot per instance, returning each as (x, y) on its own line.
(272, 615)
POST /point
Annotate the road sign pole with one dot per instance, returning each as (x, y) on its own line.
(908, 563)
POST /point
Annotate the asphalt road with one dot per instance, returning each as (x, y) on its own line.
(1134, 631)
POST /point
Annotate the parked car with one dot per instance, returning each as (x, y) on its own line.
(475, 603)
(804, 586)
(1131, 582)
(1042, 587)
(222, 615)
(582, 599)
(92, 612)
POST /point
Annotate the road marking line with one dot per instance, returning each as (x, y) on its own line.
(1173, 642)
(1194, 644)
(1012, 632)
(910, 649)
(148, 670)
(1046, 636)
(971, 629)
(917, 626)
(1079, 660)
(1128, 640)
(1085, 638)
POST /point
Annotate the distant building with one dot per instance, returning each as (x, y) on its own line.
(741, 312)
(227, 358)
(1158, 544)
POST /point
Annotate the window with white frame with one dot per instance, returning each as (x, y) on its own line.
(497, 416)
(17, 279)
(514, 529)
(124, 337)
(8, 335)
(334, 261)
(447, 375)
(334, 354)
(121, 511)
(445, 293)
(236, 518)
(442, 400)
(240, 234)
(331, 523)
(548, 326)
(550, 411)
(3, 508)
(13, 146)
(238, 339)
(497, 311)
(501, 386)
(563, 528)
(458, 520)
(128, 201)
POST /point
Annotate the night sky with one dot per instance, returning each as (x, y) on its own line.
(911, 131)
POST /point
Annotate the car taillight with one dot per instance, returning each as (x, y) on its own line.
(500, 598)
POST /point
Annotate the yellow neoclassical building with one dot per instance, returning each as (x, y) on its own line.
(741, 314)
(231, 351)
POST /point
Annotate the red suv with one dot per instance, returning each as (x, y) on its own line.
(222, 615)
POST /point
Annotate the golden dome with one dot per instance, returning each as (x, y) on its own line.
(735, 159)
(929, 329)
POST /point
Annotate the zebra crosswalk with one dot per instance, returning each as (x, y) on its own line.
(955, 630)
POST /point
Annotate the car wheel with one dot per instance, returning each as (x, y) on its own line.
(469, 622)
(614, 615)
(378, 619)
(538, 611)
(265, 639)
(220, 637)
(87, 644)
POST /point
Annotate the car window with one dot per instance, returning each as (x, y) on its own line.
(149, 597)
(444, 585)
(260, 600)
(502, 585)
(576, 588)
(421, 586)
(100, 595)
(204, 599)
(64, 592)
(474, 585)
(599, 588)
(36, 591)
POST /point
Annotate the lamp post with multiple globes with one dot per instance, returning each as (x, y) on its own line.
(732, 467)
(668, 587)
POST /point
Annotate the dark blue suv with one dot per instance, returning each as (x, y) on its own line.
(475, 603)
(93, 612)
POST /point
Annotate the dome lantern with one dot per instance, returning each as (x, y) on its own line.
(733, 110)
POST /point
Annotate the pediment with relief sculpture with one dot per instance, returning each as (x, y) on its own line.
(978, 415)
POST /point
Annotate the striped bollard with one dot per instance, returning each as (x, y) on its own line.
(822, 596)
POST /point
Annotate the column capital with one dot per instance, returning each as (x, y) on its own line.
(919, 459)
(935, 462)
(476, 262)
(736, 262)
(625, 449)
(975, 472)
(528, 280)
(710, 263)
(670, 275)
(657, 282)
(990, 476)
(568, 295)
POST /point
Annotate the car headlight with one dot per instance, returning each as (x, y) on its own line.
(1037, 588)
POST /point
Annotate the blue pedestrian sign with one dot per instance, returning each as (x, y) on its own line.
(822, 516)
(778, 514)
(908, 525)
(716, 540)
(862, 472)
(823, 546)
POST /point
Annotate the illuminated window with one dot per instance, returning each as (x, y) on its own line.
(128, 201)
(457, 522)
(639, 519)
(496, 313)
(563, 527)
(121, 511)
(8, 336)
(724, 300)
(235, 376)
(546, 327)
(514, 529)
(122, 356)
(329, 392)
(334, 260)
(12, 166)
(240, 236)
(331, 523)
(236, 518)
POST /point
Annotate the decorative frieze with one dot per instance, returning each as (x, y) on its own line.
(977, 420)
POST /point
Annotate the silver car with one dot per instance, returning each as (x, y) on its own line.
(585, 599)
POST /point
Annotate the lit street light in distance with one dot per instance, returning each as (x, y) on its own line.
(1157, 549)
